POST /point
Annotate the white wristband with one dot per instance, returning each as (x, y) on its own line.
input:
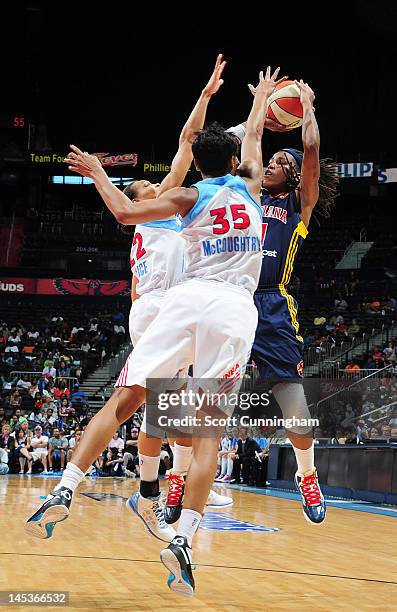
(238, 130)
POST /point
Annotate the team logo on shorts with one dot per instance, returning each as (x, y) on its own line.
(234, 372)
(299, 368)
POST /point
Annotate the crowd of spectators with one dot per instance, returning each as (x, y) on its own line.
(344, 311)
(43, 410)
(365, 411)
(43, 440)
(61, 346)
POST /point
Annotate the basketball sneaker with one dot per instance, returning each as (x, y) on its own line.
(314, 509)
(151, 513)
(54, 510)
(173, 504)
(177, 558)
(218, 501)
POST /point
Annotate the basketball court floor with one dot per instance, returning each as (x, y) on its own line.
(259, 554)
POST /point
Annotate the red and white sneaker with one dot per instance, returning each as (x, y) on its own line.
(314, 509)
(176, 490)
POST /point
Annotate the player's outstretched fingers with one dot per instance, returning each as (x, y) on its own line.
(76, 149)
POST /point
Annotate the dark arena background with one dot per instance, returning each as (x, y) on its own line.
(119, 81)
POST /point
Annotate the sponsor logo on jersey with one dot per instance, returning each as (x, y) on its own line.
(299, 368)
(239, 244)
(266, 253)
(275, 212)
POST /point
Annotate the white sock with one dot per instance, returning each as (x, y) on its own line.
(182, 457)
(224, 466)
(229, 466)
(71, 477)
(304, 459)
(188, 524)
(149, 467)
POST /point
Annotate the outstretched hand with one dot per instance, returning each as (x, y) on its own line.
(267, 83)
(215, 81)
(307, 94)
(82, 162)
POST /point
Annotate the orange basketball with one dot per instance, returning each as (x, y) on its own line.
(285, 106)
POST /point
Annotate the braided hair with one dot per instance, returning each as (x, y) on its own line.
(327, 183)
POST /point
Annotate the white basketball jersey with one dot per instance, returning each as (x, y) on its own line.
(156, 257)
(223, 234)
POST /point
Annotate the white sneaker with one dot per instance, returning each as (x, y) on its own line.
(151, 513)
(218, 501)
(129, 474)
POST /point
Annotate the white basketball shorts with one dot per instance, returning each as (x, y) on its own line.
(143, 311)
(205, 323)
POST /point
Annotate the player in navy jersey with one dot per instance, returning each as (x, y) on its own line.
(294, 183)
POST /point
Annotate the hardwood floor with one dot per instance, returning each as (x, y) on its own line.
(106, 560)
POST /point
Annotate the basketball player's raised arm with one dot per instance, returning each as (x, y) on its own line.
(310, 172)
(251, 148)
(177, 200)
(184, 156)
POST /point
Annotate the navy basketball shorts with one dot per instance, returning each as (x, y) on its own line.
(278, 347)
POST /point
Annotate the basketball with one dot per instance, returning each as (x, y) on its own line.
(285, 106)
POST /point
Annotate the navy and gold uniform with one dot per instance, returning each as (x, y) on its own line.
(278, 346)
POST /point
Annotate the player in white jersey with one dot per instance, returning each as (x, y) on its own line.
(208, 320)
(156, 262)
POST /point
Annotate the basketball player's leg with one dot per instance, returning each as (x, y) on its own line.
(182, 455)
(146, 502)
(166, 346)
(227, 351)
(292, 401)
(226, 354)
(122, 404)
(143, 312)
(277, 350)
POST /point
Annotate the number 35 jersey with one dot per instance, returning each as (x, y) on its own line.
(223, 233)
(156, 257)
